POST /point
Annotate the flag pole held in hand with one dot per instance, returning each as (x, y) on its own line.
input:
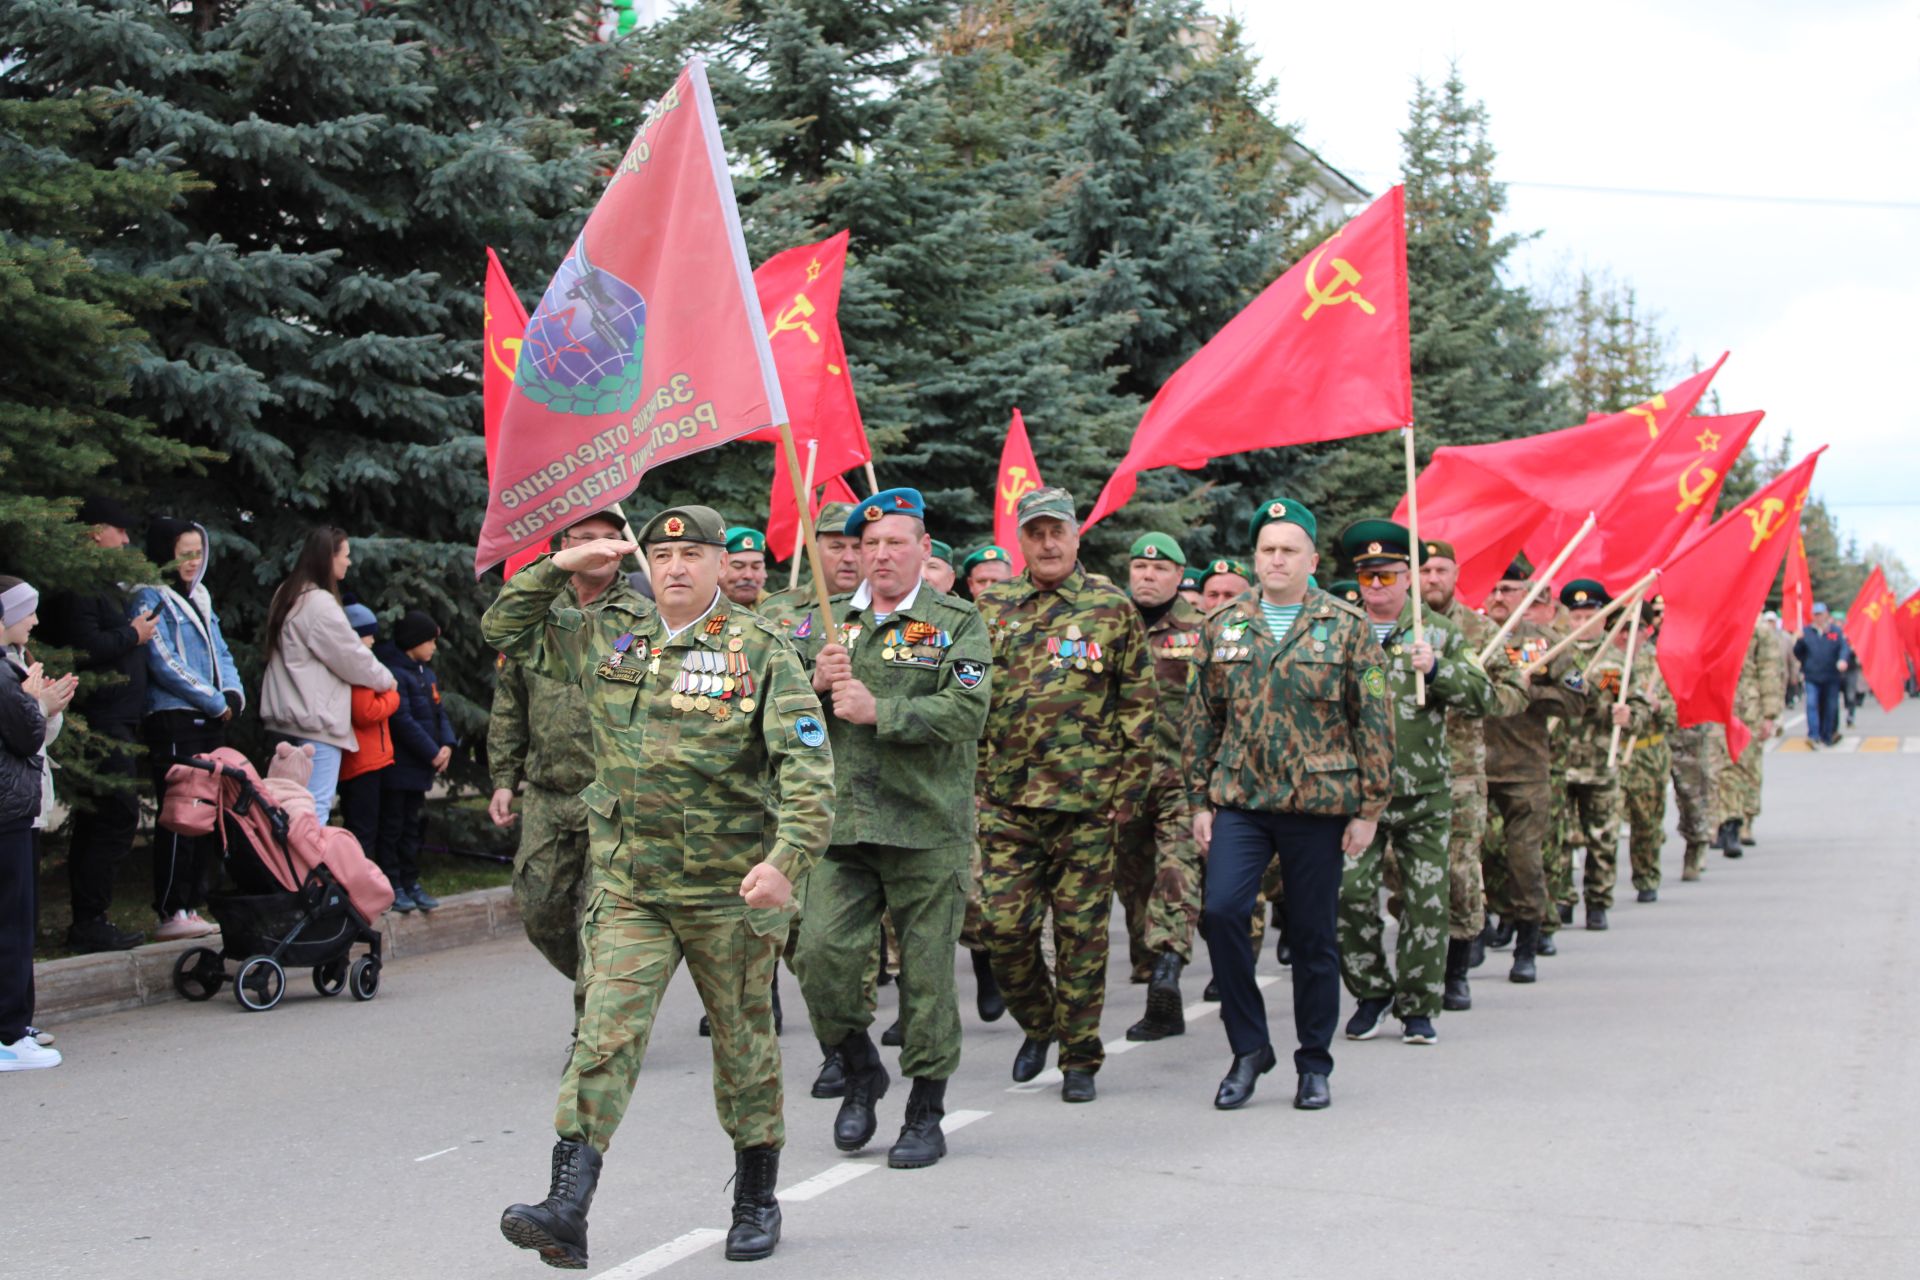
(799, 530)
(1587, 628)
(1539, 584)
(1413, 537)
(1626, 683)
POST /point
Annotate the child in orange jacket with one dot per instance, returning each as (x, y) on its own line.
(361, 768)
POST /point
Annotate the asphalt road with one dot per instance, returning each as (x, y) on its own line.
(1722, 1085)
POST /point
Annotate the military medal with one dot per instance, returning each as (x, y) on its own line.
(620, 648)
(1056, 661)
(1093, 653)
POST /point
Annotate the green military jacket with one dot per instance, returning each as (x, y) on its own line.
(1466, 730)
(539, 731)
(1300, 725)
(696, 781)
(907, 779)
(1071, 723)
(1588, 736)
(1517, 745)
(1422, 750)
(1762, 692)
(1652, 685)
(1174, 640)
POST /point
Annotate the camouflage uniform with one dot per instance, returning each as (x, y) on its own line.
(1069, 740)
(1761, 696)
(1156, 862)
(1593, 790)
(903, 823)
(1696, 777)
(1519, 790)
(1414, 832)
(1467, 751)
(1557, 854)
(1643, 778)
(1288, 739)
(687, 799)
(539, 734)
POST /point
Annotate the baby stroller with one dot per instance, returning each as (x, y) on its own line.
(304, 894)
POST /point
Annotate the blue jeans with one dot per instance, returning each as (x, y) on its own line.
(326, 776)
(1823, 709)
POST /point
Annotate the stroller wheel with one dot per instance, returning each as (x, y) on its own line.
(364, 978)
(198, 973)
(330, 979)
(259, 984)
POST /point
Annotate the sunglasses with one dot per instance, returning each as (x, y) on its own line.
(1379, 577)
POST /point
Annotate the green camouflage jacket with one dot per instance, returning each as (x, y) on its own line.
(539, 728)
(1762, 693)
(1174, 642)
(1422, 752)
(711, 746)
(1652, 685)
(1517, 747)
(1588, 736)
(1303, 725)
(907, 780)
(1071, 725)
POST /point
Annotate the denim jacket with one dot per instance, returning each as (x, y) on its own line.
(188, 665)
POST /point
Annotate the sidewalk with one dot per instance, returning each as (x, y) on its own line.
(107, 982)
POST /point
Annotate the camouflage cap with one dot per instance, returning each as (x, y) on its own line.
(1224, 565)
(1281, 511)
(832, 518)
(686, 524)
(1157, 546)
(984, 555)
(941, 551)
(1050, 501)
(741, 538)
(611, 512)
(1584, 593)
(1437, 549)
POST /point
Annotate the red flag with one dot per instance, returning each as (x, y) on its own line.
(835, 489)
(1019, 474)
(504, 326)
(1909, 627)
(1796, 589)
(1873, 630)
(1321, 354)
(800, 300)
(1714, 591)
(1492, 500)
(648, 345)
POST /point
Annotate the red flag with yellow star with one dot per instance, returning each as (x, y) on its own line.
(1019, 474)
(1873, 630)
(800, 298)
(504, 327)
(1320, 354)
(1714, 591)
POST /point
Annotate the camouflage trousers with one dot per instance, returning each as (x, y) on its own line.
(630, 953)
(1593, 809)
(549, 874)
(1156, 875)
(1643, 792)
(1739, 790)
(1413, 835)
(1033, 861)
(925, 891)
(1695, 779)
(1556, 855)
(1466, 882)
(1518, 813)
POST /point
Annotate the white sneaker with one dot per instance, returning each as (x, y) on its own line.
(24, 1055)
(204, 926)
(181, 924)
(39, 1037)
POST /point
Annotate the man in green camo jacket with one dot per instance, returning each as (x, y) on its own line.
(1593, 789)
(714, 794)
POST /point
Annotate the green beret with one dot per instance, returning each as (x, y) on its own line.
(832, 518)
(686, 524)
(1367, 542)
(888, 502)
(741, 538)
(1157, 546)
(981, 555)
(1281, 511)
(1190, 581)
(1346, 589)
(1437, 549)
(1049, 501)
(1223, 565)
(1584, 593)
(941, 551)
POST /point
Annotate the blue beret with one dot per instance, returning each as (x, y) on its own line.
(888, 502)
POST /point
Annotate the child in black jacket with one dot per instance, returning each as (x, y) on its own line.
(423, 744)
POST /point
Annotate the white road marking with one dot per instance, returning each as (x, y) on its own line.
(1910, 746)
(431, 1154)
(667, 1254)
(958, 1120)
(821, 1183)
(1850, 742)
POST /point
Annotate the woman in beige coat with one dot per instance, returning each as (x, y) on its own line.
(314, 660)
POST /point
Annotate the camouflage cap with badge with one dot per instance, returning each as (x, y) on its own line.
(1281, 511)
(1048, 503)
(832, 518)
(686, 524)
(1157, 546)
(1437, 549)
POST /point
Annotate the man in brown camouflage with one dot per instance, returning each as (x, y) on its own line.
(1759, 701)
(1156, 863)
(1288, 752)
(1647, 760)
(1067, 757)
(1593, 788)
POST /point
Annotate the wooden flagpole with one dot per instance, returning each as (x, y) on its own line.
(793, 561)
(1539, 584)
(1413, 566)
(1626, 684)
(873, 485)
(1630, 596)
(812, 545)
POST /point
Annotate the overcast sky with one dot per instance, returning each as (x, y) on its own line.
(1818, 100)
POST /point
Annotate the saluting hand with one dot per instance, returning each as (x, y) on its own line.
(590, 556)
(853, 702)
(833, 665)
(765, 886)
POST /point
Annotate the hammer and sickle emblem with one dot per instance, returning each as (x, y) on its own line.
(1330, 296)
(1873, 610)
(1646, 411)
(504, 352)
(794, 319)
(1766, 519)
(1695, 496)
(1018, 483)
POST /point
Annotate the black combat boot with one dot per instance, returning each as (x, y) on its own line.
(1477, 950)
(832, 1080)
(1729, 838)
(987, 1000)
(1166, 1016)
(1458, 995)
(557, 1226)
(1502, 936)
(1526, 939)
(921, 1143)
(867, 1082)
(756, 1214)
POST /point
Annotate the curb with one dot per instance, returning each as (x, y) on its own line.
(113, 981)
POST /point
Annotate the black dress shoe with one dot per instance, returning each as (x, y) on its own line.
(1076, 1086)
(1647, 895)
(1236, 1087)
(1212, 994)
(1031, 1060)
(1597, 919)
(100, 934)
(1312, 1093)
